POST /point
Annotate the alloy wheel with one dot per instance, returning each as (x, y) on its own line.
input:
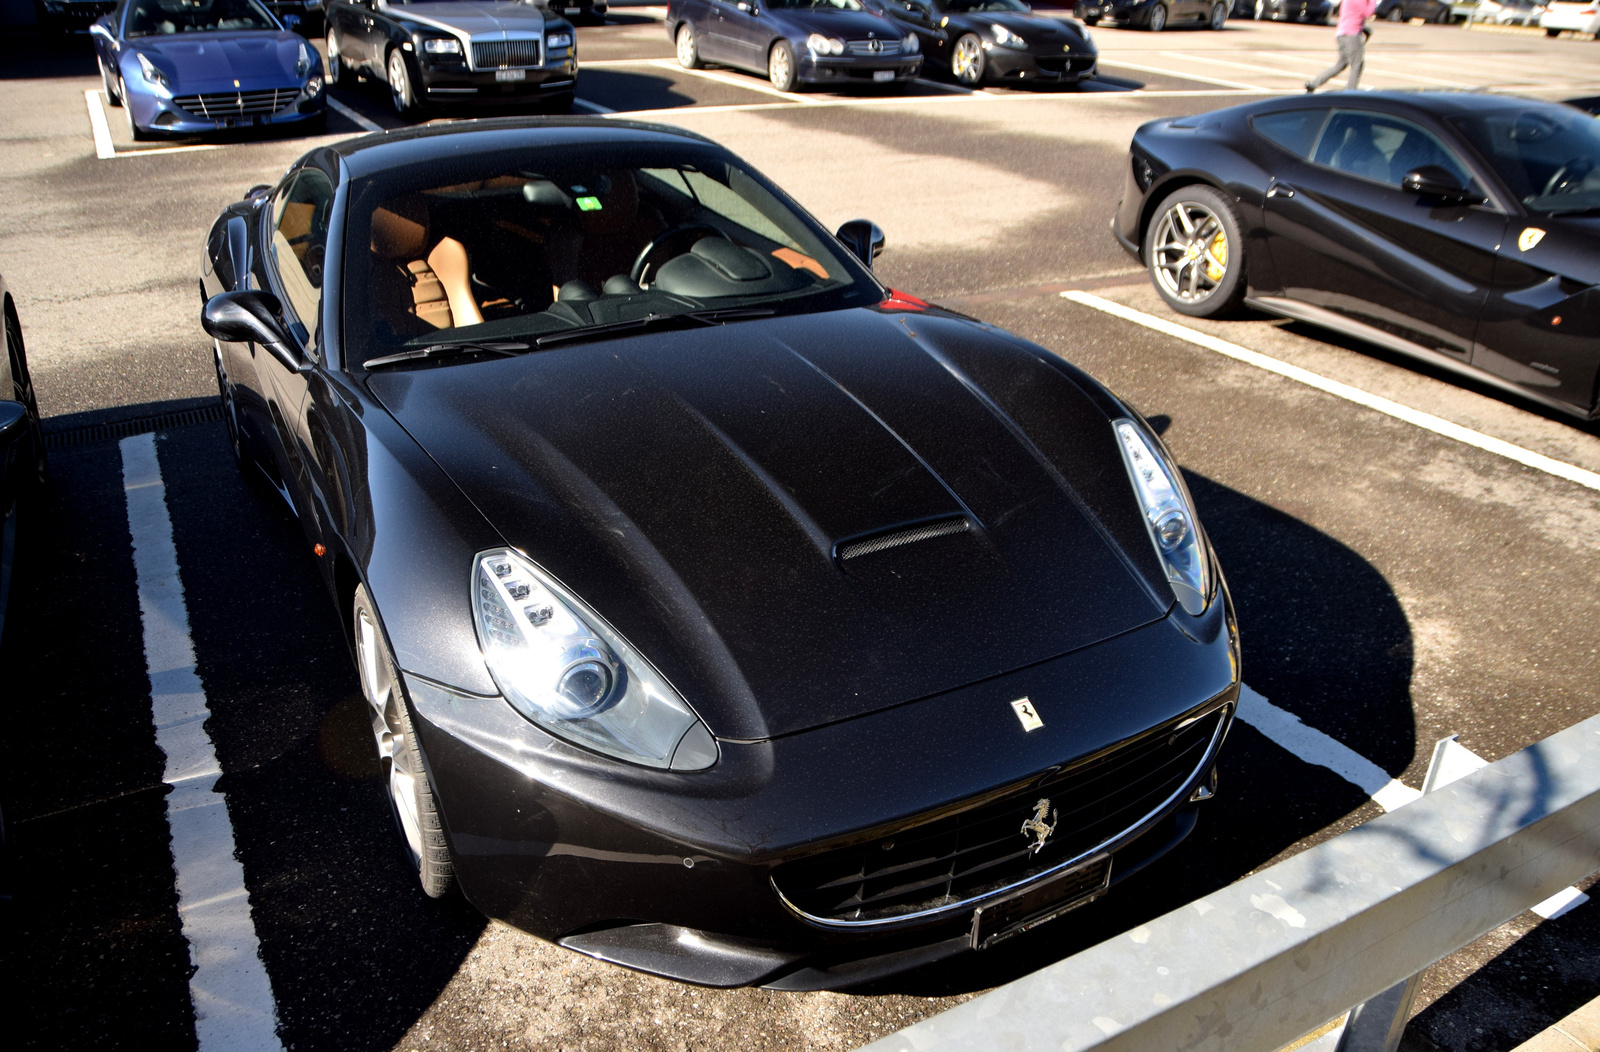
(335, 62)
(967, 63)
(1190, 257)
(1219, 16)
(1158, 18)
(688, 48)
(399, 83)
(780, 68)
(378, 686)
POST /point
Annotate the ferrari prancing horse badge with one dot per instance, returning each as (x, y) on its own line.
(1026, 714)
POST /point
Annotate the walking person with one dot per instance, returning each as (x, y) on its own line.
(1351, 36)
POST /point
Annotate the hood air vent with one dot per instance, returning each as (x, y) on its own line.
(926, 531)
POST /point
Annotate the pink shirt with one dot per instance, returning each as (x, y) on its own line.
(1352, 13)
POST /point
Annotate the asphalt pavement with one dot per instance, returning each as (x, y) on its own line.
(1394, 585)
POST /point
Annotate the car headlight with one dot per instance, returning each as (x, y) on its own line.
(441, 46)
(1168, 515)
(151, 73)
(1006, 38)
(560, 665)
(302, 65)
(312, 89)
(821, 45)
(558, 40)
(912, 44)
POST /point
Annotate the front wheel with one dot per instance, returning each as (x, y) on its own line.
(688, 48)
(1219, 16)
(1158, 18)
(338, 73)
(416, 809)
(1553, 33)
(1396, 15)
(967, 60)
(113, 98)
(138, 133)
(780, 66)
(401, 93)
(1195, 253)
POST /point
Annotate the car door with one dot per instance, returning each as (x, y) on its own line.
(344, 21)
(920, 18)
(742, 31)
(1349, 241)
(292, 260)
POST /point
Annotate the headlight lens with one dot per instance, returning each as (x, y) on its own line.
(313, 88)
(821, 45)
(564, 668)
(556, 40)
(442, 46)
(1006, 38)
(151, 73)
(1168, 516)
(302, 65)
(912, 44)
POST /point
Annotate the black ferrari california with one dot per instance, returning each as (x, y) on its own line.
(1458, 228)
(721, 612)
(978, 41)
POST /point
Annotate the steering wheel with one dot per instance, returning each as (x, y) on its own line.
(666, 245)
(1574, 171)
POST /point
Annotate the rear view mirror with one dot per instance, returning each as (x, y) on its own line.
(1433, 181)
(251, 316)
(864, 238)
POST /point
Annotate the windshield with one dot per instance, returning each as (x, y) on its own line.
(971, 6)
(165, 17)
(1548, 155)
(815, 5)
(527, 243)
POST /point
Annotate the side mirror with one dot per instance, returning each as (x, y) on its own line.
(13, 423)
(1431, 180)
(864, 238)
(748, 7)
(251, 316)
(291, 23)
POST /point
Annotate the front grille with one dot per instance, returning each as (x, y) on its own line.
(959, 858)
(872, 48)
(231, 105)
(504, 54)
(1065, 64)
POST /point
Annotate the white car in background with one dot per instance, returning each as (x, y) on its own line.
(1582, 16)
(1498, 12)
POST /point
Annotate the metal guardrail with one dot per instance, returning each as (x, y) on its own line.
(1258, 964)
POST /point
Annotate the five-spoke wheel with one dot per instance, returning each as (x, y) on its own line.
(1194, 252)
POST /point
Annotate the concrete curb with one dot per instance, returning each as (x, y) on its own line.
(1578, 1031)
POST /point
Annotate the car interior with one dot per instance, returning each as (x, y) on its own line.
(573, 248)
(1381, 148)
(167, 17)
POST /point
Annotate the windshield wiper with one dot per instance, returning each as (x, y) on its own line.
(657, 321)
(450, 350)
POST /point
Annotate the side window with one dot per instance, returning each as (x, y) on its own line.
(1294, 130)
(1381, 148)
(299, 239)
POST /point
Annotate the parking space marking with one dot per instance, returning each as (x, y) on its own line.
(100, 127)
(721, 78)
(1426, 421)
(351, 115)
(231, 993)
(593, 107)
(1315, 747)
(1198, 78)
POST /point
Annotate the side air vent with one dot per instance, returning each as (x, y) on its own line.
(910, 535)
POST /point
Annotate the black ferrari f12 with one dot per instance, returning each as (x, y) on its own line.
(1457, 228)
(721, 612)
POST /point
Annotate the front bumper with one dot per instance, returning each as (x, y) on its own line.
(1296, 10)
(166, 115)
(674, 873)
(1574, 21)
(848, 69)
(1136, 13)
(444, 84)
(1054, 67)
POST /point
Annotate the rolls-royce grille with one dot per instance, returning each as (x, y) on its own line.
(504, 54)
(231, 105)
(873, 47)
(973, 853)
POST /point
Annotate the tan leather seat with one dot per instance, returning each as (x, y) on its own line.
(440, 278)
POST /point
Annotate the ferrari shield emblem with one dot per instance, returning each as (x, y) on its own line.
(1529, 238)
(1026, 714)
(1066, 47)
(236, 83)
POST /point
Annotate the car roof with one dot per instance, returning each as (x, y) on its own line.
(394, 149)
(1434, 101)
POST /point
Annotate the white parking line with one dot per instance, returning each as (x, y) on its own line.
(1426, 421)
(721, 78)
(99, 126)
(592, 107)
(231, 993)
(349, 114)
(1165, 72)
(1315, 747)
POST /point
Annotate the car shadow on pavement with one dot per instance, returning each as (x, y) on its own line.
(1322, 635)
(26, 54)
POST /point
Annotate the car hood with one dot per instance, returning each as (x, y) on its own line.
(205, 62)
(832, 22)
(1035, 29)
(693, 487)
(483, 19)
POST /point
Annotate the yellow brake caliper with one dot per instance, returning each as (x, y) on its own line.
(1219, 252)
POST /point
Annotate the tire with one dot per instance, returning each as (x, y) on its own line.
(138, 133)
(1158, 18)
(688, 48)
(1261, 11)
(401, 94)
(1553, 33)
(410, 792)
(1442, 18)
(1195, 254)
(339, 73)
(968, 63)
(1094, 21)
(1395, 14)
(113, 97)
(1219, 15)
(780, 66)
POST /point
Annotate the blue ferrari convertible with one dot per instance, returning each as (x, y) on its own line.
(189, 66)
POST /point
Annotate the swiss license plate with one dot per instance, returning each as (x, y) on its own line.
(1031, 908)
(882, 75)
(504, 75)
(571, 10)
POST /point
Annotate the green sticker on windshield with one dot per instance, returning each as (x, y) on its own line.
(588, 204)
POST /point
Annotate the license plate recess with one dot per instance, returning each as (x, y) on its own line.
(882, 75)
(1030, 908)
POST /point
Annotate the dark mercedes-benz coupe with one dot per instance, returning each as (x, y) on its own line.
(1460, 228)
(996, 40)
(455, 51)
(721, 612)
(1156, 15)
